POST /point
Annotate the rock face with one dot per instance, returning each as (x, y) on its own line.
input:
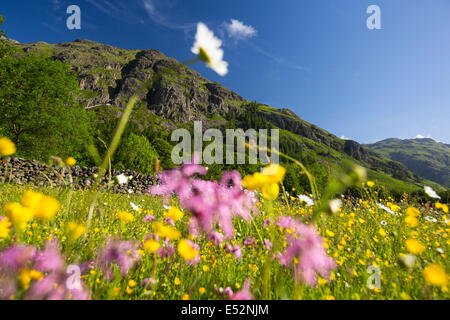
(355, 150)
(23, 171)
(110, 76)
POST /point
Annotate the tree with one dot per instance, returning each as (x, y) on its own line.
(5, 48)
(137, 153)
(164, 149)
(39, 110)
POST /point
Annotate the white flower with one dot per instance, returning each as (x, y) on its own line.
(383, 223)
(440, 250)
(408, 260)
(335, 204)
(431, 192)
(122, 179)
(166, 207)
(135, 207)
(386, 209)
(207, 47)
(430, 219)
(130, 191)
(308, 200)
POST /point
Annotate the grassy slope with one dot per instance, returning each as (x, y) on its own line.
(424, 157)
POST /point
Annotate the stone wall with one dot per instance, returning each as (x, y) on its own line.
(21, 171)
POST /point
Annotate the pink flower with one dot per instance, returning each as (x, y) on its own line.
(307, 246)
(244, 294)
(210, 203)
(49, 261)
(123, 253)
(267, 244)
(148, 217)
(236, 250)
(50, 258)
(217, 237)
(228, 291)
(249, 242)
(15, 258)
(54, 287)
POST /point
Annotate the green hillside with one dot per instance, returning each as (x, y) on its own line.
(108, 76)
(425, 157)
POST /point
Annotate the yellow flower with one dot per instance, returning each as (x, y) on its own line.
(414, 246)
(174, 214)
(151, 246)
(321, 281)
(5, 225)
(70, 162)
(44, 207)
(255, 181)
(435, 275)
(205, 268)
(125, 217)
(166, 231)
(201, 290)
(405, 296)
(270, 191)
(31, 199)
(330, 298)
(413, 212)
(75, 230)
(7, 147)
(36, 275)
(370, 184)
(129, 290)
(329, 233)
(177, 281)
(411, 221)
(444, 207)
(25, 278)
(382, 232)
(186, 250)
(131, 283)
(18, 214)
(274, 172)
(185, 297)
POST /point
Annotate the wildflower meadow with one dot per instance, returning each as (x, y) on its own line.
(239, 237)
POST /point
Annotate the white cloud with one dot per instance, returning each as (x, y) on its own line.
(239, 31)
(419, 136)
(345, 138)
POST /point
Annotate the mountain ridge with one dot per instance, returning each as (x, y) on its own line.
(423, 156)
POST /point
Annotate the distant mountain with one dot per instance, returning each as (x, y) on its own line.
(425, 157)
(109, 76)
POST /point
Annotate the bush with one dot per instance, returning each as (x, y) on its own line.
(39, 110)
(136, 153)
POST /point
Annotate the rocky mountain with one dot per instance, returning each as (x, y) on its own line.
(109, 76)
(425, 157)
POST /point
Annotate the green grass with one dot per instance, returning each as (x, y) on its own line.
(350, 235)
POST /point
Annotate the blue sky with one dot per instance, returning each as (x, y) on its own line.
(315, 57)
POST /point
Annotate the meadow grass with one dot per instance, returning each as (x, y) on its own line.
(358, 236)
